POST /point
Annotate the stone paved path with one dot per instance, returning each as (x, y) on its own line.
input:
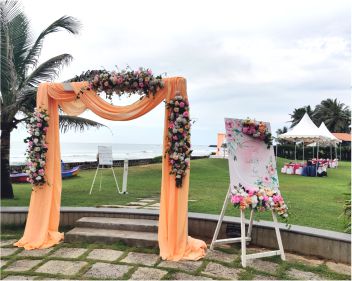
(111, 262)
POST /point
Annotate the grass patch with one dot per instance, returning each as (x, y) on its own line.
(309, 199)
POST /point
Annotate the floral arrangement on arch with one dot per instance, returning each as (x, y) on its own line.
(36, 152)
(259, 199)
(179, 146)
(126, 81)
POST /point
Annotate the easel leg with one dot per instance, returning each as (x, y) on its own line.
(91, 188)
(249, 232)
(117, 185)
(218, 226)
(278, 237)
(101, 175)
(243, 239)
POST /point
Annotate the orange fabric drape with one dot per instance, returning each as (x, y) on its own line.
(44, 210)
(221, 137)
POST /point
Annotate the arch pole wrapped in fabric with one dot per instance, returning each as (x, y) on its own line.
(44, 210)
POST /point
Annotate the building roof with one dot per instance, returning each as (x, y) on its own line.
(343, 136)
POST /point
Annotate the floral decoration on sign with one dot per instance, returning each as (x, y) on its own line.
(179, 146)
(257, 130)
(259, 199)
(36, 152)
(127, 81)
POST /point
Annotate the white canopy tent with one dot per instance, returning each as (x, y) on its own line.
(305, 131)
(330, 139)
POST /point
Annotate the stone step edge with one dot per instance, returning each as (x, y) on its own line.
(140, 225)
(139, 239)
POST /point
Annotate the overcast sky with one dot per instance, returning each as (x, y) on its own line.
(259, 59)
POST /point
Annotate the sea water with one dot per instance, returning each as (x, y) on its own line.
(81, 152)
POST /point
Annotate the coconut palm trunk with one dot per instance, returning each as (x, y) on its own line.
(6, 186)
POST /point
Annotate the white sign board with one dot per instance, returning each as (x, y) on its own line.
(105, 155)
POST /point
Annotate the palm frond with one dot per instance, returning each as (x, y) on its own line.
(67, 23)
(48, 70)
(77, 123)
(20, 37)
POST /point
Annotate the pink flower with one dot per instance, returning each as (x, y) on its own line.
(266, 179)
(45, 129)
(229, 136)
(235, 199)
(39, 125)
(171, 125)
(141, 85)
(182, 104)
(175, 138)
(266, 198)
(172, 161)
(149, 71)
(119, 80)
(185, 114)
(229, 124)
(30, 143)
(245, 130)
(41, 172)
(277, 198)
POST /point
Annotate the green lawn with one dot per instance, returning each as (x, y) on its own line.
(316, 202)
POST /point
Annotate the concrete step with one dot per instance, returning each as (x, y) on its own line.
(131, 238)
(140, 225)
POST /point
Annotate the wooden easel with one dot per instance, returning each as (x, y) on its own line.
(246, 238)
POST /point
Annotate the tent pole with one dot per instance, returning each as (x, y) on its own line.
(340, 151)
(313, 152)
(317, 164)
(303, 151)
(330, 152)
(295, 152)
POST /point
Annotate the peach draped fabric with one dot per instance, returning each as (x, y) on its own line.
(44, 210)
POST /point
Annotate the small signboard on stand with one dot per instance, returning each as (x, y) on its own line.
(105, 161)
(253, 181)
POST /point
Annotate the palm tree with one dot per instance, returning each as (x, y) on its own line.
(279, 132)
(20, 76)
(336, 115)
(298, 113)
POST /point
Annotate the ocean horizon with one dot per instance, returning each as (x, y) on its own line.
(81, 152)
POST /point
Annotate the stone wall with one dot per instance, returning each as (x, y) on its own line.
(321, 243)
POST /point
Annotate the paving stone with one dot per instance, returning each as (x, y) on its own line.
(141, 258)
(151, 208)
(2, 263)
(104, 254)
(147, 200)
(61, 267)
(7, 242)
(339, 267)
(182, 265)
(4, 252)
(71, 253)
(265, 266)
(19, 277)
(137, 203)
(220, 256)
(35, 253)
(106, 270)
(218, 270)
(185, 276)
(22, 265)
(303, 275)
(146, 273)
(264, 277)
(155, 205)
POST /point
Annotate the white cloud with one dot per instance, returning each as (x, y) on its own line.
(241, 58)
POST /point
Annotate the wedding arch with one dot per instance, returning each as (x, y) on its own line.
(44, 210)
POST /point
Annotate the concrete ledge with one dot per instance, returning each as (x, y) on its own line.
(300, 239)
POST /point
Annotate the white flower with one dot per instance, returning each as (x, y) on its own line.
(37, 134)
(38, 178)
(35, 140)
(32, 119)
(37, 149)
